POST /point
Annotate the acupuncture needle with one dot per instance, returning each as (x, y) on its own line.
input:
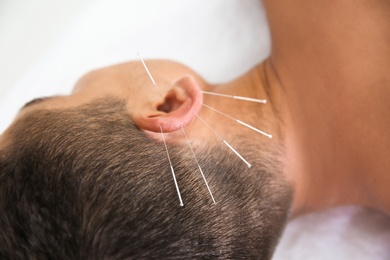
(173, 172)
(240, 122)
(150, 75)
(263, 101)
(225, 142)
(200, 169)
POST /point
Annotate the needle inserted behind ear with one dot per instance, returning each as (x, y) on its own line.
(173, 172)
(263, 101)
(225, 142)
(200, 169)
(240, 122)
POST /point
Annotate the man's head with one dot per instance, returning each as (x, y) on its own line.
(87, 181)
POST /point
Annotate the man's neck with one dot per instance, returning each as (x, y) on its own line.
(333, 61)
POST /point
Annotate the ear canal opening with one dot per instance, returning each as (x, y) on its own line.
(170, 103)
(164, 108)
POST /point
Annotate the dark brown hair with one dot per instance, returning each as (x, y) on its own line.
(85, 183)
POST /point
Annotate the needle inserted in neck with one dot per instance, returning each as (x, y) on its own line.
(150, 75)
(173, 172)
(263, 101)
(240, 122)
(200, 169)
(225, 142)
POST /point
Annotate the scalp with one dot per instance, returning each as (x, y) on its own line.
(87, 184)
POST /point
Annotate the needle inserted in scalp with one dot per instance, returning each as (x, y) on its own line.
(263, 101)
(200, 169)
(173, 172)
(225, 142)
(150, 75)
(240, 122)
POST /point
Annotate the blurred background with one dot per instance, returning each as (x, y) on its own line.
(27, 28)
(46, 45)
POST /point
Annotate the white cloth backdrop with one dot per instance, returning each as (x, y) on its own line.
(220, 39)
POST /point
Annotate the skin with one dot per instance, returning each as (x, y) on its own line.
(327, 81)
(332, 58)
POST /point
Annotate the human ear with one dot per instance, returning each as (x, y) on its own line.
(178, 107)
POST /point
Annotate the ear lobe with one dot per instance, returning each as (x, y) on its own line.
(179, 107)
